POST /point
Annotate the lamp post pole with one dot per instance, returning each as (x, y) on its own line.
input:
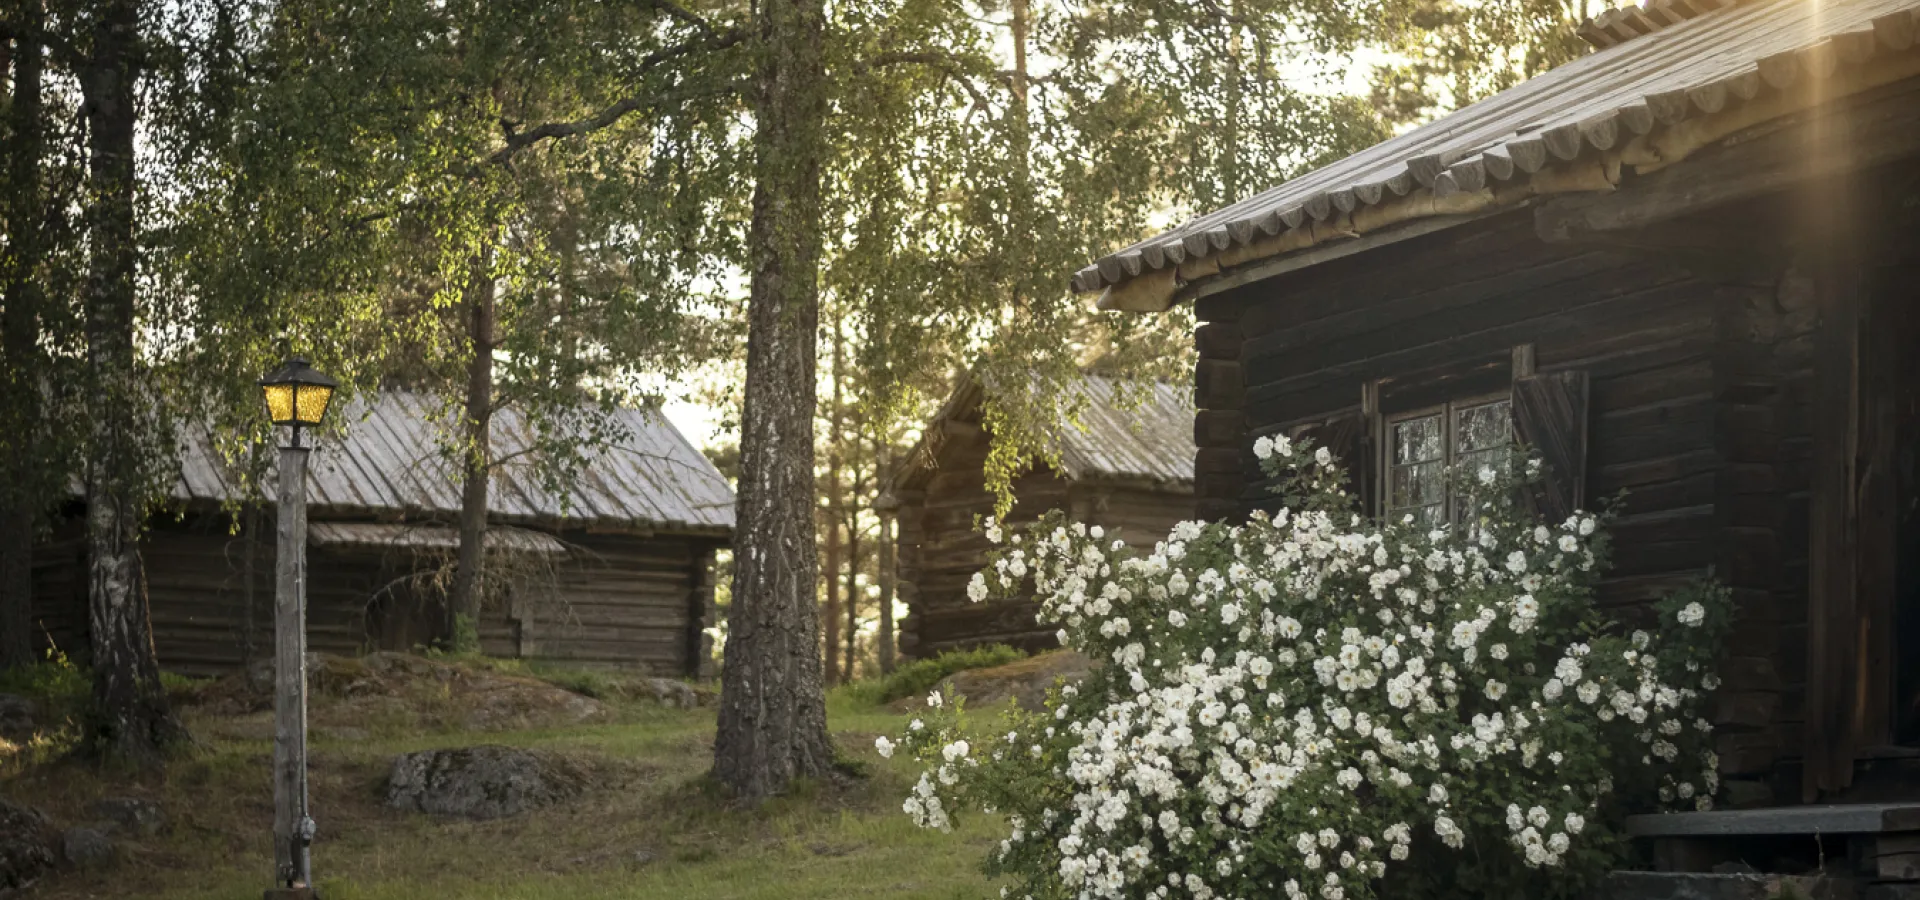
(297, 396)
(292, 826)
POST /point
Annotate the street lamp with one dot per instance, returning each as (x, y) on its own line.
(297, 397)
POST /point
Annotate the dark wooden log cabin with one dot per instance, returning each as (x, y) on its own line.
(617, 573)
(1686, 268)
(1126, 464)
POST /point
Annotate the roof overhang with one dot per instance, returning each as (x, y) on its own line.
(1638, 107)
(387, 535)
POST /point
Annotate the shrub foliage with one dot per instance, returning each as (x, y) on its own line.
(921, 675)
(1313, 704)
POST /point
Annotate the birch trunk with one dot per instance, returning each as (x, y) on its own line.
(469, 574)
(131, 718)
(773, 721)
(19, 343)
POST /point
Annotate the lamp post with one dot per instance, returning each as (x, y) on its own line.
(297, 397)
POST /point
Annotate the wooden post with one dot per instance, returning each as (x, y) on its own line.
(292, 827)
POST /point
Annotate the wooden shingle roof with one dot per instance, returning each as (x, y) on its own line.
(1667, 85)
(1117, 434)
(389, 465)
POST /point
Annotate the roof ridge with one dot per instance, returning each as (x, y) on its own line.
(1621, 24)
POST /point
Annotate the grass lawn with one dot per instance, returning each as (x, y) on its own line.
(651, 826)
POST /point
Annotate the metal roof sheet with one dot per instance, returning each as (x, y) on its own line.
(1651, 80)
(389, 463)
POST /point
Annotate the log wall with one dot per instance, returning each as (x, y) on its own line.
(617, 600)
(620, 601)
(939, 549)
(1693, 427)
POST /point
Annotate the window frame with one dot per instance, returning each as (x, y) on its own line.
(1448, 411)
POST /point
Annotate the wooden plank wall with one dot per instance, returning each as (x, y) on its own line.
(939, 550)
(60, 593)
(620, 601)
(1685, 420)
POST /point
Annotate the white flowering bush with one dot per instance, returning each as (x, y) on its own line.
(1313, 704)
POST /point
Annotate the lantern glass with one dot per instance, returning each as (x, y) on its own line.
(280, 403)
(310, 403)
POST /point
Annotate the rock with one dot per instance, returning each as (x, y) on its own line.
(29, 846)
(504, 704)
(484, 782)
(1025, 681)
(87, 847)
(134, 815)
(16, 717)
(1738, 793)
(676, 694)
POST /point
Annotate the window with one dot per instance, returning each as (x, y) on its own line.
(1422, 446)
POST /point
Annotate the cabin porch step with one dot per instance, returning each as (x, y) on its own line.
(1708, 886)
(1837, 818)
(1872, 842)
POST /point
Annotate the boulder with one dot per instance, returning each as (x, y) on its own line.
(132, 815)
(29, 847)
(87, 847)
(484, 782)
(1024, 682)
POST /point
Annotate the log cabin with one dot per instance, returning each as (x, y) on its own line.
(617, 571)
(1685, 268)
(1125, 463)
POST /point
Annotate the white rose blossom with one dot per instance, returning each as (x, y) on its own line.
(1322, 680)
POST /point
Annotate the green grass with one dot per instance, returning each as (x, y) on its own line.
(920, 676)
(656, 829)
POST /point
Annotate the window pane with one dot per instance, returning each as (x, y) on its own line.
(1417, 440)
(1482, 427)
(1470, 464)
(1417, 484)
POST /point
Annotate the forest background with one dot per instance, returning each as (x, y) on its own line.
(557, 207)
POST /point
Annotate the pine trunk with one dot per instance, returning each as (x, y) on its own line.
(131, 719)
(469, 574)
(773, 720)
(883, 641)
(19, 345)
(833, 559)
(1230, 126)
(852, 592)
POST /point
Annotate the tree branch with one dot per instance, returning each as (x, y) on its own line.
(947, 64)
(686, 16)
(619, 109)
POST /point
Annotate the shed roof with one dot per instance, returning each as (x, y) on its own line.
(1118, 435)
(1682, 73)
(389, 464)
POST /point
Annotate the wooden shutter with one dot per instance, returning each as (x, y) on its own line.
(1349, 437)
(1550, 419)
